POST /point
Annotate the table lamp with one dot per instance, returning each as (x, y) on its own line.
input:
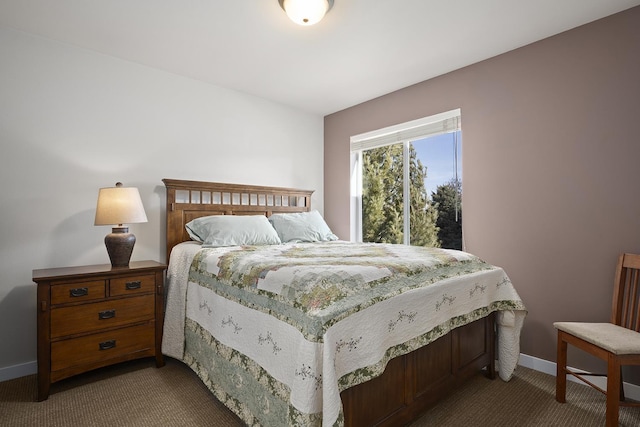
(117, 206)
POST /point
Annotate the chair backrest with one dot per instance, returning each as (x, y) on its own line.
(626, 295)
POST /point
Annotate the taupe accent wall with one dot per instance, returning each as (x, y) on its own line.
(551, 165)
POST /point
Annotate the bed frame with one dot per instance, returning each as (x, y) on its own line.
(410, 383)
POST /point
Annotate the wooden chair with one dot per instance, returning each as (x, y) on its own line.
(617, 343)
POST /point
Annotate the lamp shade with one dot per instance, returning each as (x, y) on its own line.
(306, 12)
(119, 205)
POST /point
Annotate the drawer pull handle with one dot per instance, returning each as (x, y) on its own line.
(133, 285)
(107, 314)
(79, 292)
(106, 345)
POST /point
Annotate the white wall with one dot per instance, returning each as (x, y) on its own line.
(72, 121)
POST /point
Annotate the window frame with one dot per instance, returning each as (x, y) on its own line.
(405, 133)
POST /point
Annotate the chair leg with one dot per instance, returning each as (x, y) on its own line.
(613, 391)
(622, 398)
(561, 370)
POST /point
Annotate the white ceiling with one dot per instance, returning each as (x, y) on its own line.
(361, 50)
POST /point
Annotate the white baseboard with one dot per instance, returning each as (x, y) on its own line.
(17, 371)
(631, 391)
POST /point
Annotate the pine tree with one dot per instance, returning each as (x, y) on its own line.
(382, 198)
(447, 199)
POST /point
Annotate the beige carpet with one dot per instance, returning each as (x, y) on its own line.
(138, 394)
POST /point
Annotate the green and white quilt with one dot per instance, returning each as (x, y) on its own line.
(277, 332)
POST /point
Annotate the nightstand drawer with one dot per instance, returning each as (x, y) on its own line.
(76, 292)
(102, 346)
(132, 285)
(99, 315)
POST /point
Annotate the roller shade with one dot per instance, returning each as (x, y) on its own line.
(418, 129)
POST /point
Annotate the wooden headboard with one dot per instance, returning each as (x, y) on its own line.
(187, 200)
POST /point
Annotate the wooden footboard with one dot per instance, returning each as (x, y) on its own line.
(412, 383)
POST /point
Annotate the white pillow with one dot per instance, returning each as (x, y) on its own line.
(302, 227)
(232, 230)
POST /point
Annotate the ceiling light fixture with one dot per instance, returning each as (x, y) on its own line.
(306, 12)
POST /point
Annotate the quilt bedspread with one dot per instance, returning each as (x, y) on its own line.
(277, 332)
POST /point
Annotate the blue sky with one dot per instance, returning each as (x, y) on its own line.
(437, 154)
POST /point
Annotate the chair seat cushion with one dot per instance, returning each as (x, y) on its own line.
(614, 338)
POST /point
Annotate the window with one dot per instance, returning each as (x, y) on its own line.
(408, 177)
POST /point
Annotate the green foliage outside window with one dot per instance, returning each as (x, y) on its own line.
(448, 198)
(382, 202)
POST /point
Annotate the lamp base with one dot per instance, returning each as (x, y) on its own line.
(119, 245)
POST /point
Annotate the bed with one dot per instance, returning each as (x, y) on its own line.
(328, 332)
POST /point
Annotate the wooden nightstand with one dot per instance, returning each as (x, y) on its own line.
(96, 315)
